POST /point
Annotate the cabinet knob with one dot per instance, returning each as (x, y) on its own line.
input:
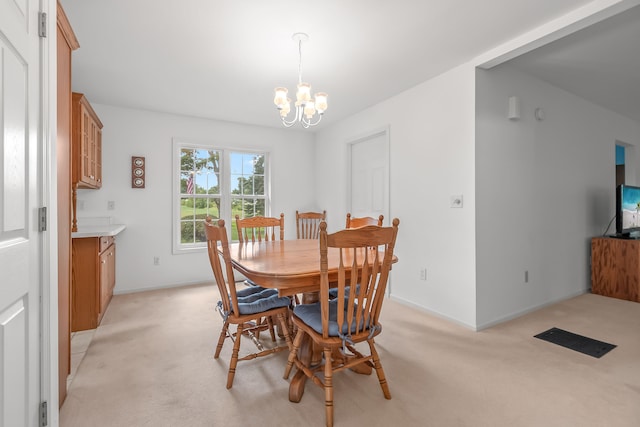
(104, 262)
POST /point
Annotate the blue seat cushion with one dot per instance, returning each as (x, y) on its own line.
(333, 292)
(250, 282)
(311, 314)
(257, 299)
(252, 290)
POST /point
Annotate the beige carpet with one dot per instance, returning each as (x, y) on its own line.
(151, 364)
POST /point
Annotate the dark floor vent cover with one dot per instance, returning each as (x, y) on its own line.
(572, 341)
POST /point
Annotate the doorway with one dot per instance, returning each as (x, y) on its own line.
(369, 175)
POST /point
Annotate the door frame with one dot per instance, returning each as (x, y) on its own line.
(48, 198)
(382, 131)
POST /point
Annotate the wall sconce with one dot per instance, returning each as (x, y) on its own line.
(137, 172)
(514, 108)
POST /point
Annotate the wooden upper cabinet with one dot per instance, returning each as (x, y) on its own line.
(87, 144)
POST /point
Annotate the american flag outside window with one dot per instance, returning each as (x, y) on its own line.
(190, 184)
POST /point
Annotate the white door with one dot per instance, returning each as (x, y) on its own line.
(370, 176)
(20, 257)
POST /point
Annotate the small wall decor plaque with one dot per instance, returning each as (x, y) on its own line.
(137, 172)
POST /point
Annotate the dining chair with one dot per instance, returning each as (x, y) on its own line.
(308, 224)
(337, 325)
(362, 221)
(259, 228)
(356, 223)
(244, 308)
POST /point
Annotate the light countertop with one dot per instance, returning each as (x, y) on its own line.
(98, 230)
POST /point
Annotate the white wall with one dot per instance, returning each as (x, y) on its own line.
(543, 189)
(147, 212)
(431, 133)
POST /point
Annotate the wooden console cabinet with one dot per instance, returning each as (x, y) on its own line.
(615, 268)
(93, 280)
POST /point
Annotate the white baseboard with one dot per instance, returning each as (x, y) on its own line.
(435, 313)
(164, 286)
(519, 313)
(491, 323)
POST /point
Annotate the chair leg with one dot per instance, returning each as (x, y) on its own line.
(270, 322)
(328, 387)
(293, 353)
(379, 371)
(234, 356)
(223, 336)
(285, 329)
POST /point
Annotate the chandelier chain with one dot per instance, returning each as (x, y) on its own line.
(299, 61)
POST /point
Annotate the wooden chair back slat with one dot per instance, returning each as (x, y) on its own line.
(308, 224)
(353, 222)
(258, 228)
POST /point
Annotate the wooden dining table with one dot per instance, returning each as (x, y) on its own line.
(292, 267)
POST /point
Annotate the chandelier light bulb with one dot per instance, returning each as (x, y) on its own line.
(309, 109)
(306, 107)
(285, 108)
(321, 102)
(304, 93)
(280, 96)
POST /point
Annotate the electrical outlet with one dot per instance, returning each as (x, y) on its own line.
(111, 205)
(156, 260)
(423, 274)
(526, 276)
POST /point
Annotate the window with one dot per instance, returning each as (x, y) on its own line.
(218, 183)
(247, 185)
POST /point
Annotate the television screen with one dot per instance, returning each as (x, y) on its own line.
(627, 209)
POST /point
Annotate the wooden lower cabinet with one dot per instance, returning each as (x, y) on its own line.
(615, 268)
(93, 280)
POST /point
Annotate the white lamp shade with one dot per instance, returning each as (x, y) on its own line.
(286, 107)
(309, 109)
(280, 96)
(304, 93)
(321, 102)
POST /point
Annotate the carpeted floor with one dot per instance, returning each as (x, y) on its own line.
(151, 364)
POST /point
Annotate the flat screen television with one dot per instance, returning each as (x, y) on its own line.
(627, 210)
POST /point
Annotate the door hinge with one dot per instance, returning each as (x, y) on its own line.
(44, 416)
(42, 24)
(42, 218)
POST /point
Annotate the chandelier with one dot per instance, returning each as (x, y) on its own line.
(306, 107)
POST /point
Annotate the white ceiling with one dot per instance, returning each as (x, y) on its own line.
(221, 59)
(600, 63)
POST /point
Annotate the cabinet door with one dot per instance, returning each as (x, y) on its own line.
(87, 142)
(85, 275)
(107, 277)
(98, 155)
(86, 148)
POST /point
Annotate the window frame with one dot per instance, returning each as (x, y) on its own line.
(225, 188)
